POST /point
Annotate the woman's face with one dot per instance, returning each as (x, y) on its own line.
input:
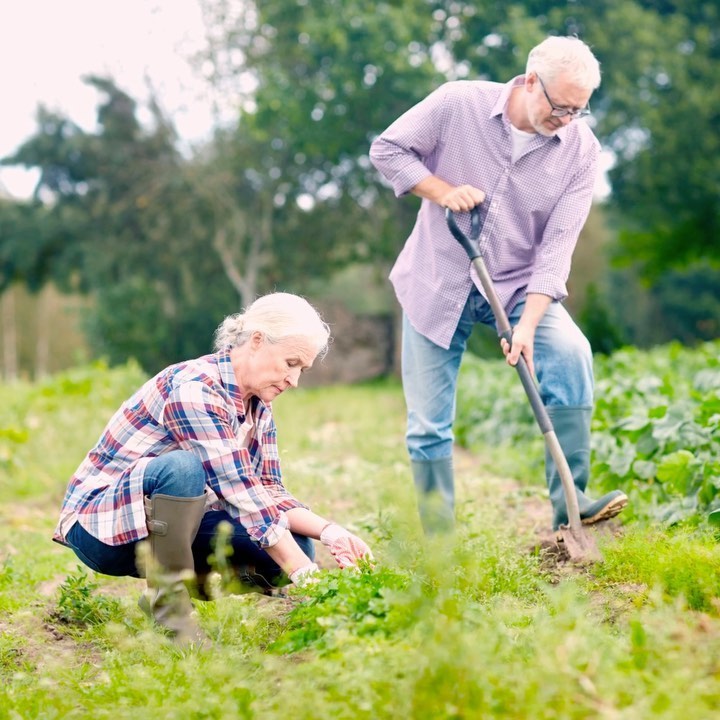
(271, 368)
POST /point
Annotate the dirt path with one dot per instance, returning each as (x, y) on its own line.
(528, 510)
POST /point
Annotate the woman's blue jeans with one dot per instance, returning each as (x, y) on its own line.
(180, 474)
(563, 365)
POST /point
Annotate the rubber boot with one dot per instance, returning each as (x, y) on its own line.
(572, 427)
(435, 487)
(173, 523)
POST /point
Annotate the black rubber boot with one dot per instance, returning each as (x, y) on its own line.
(435, 485)
(572, 427)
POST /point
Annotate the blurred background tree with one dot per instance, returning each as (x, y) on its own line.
(165, 244)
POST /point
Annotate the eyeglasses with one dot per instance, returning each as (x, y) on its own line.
(561, 111)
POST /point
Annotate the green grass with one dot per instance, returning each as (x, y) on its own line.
(478, 626)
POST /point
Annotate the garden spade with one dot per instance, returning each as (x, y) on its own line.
(580, 546)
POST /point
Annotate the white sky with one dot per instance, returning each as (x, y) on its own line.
(47, 46)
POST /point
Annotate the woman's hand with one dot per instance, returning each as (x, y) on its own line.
(346, 548)
(304, 575)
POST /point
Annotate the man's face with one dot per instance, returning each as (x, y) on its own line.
(559, 93)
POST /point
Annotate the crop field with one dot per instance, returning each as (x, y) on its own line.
(488, 623)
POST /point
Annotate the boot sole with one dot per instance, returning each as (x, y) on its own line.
(614, 507)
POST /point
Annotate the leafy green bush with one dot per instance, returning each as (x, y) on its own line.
(656, 425)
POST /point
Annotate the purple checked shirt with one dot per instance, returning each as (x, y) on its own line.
(533, 211)
(197, 406)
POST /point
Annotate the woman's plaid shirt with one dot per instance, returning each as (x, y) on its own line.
(194, 405)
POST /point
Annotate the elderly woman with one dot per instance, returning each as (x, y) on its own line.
(196, 446)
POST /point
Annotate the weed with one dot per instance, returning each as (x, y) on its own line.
(79, 605)
(341, 603)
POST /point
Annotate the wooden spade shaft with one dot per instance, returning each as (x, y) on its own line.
(579, 545)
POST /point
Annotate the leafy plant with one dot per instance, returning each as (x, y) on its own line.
(344, 603)
(79, 605)
(656, 425)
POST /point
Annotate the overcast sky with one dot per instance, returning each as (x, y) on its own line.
(47, 46)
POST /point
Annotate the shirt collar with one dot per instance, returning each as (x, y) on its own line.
(227, 378)
(500, 108)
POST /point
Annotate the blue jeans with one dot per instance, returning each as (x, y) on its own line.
(563, 365)
(180, 474)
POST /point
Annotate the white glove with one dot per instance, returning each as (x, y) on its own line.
(303, 575)
(345, 547)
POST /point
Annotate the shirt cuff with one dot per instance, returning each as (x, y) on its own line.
(551, 286)
(268, 535)
(408, 177)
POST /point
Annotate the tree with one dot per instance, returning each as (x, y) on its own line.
(321, 90)
(114, 204)
(659, 115)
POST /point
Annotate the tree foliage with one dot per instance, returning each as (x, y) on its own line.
(285, 193)
(113, 224)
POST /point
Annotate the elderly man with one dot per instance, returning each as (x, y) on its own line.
(516, 150)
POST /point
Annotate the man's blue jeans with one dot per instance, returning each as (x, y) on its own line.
(563, 364)
(180, 474)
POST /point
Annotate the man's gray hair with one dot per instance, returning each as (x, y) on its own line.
(568, 56)
(279, 317)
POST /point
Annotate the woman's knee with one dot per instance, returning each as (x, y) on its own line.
(179, 473)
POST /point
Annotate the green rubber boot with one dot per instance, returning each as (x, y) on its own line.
(572, 427)
(435, 485)
(173, 523)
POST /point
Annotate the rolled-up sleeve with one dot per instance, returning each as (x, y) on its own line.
(400, 153)
(200, 420)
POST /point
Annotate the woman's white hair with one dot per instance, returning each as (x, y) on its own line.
(279, 317)
(568, 56)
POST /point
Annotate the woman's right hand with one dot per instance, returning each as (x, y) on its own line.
(346, 548)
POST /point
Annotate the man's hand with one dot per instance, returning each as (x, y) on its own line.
(522, 342)
(523, 336)
(462, 199)
(345, 547)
